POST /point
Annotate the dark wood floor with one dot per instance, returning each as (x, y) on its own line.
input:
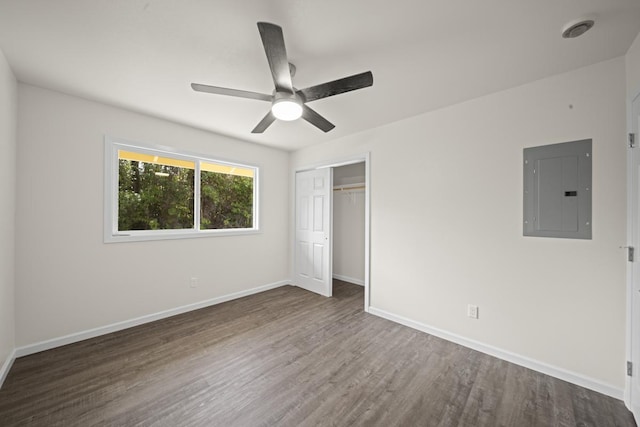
(288, 357)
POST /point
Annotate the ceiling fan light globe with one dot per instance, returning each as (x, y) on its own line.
(286, 109)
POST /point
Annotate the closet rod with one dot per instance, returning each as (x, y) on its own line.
(347, 188)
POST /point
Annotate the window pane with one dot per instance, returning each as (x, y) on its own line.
(154, 193)
(226, 196)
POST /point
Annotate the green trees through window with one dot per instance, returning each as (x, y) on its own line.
(154, 197)
(226, 201)
(158, 191)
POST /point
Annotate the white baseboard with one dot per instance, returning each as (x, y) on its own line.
(349, 279)
(6, 366)
(554, 371)
(114, 327)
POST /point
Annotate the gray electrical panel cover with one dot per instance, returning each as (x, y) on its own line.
(557, 190)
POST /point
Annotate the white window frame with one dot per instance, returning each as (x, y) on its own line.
(111, 232)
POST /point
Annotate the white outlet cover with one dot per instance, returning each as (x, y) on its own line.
(472, 311)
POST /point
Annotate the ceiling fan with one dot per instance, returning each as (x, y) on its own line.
(287, 102)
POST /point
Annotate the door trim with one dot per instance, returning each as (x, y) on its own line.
(631, 199)
(343, 161)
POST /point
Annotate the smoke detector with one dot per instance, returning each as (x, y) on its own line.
(577, 28)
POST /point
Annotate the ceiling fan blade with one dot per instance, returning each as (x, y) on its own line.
(273, 42)
(336, 87)
(231, 92)
(316, 119)
(264, 123)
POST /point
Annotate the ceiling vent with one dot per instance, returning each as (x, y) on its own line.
(576, 29)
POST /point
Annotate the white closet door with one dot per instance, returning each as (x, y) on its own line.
(313, 231)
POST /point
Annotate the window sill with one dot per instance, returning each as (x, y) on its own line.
(145, 236)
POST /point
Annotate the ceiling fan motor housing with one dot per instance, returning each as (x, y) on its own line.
(286, 106)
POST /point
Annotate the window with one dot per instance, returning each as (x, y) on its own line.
(159, 193)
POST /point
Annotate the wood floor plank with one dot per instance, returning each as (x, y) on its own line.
(287, 357)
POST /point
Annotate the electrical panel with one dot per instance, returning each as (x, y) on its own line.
(557, 190)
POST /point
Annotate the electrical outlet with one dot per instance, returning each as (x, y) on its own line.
(472, 311)
(194, 282)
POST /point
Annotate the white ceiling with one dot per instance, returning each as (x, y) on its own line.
(424, 54)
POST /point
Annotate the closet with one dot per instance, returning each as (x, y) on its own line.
(349, 223)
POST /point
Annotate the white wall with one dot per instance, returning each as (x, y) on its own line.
(348, 224)
(68, 280)
(633, 69)
(8, 129)
(446, 223)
